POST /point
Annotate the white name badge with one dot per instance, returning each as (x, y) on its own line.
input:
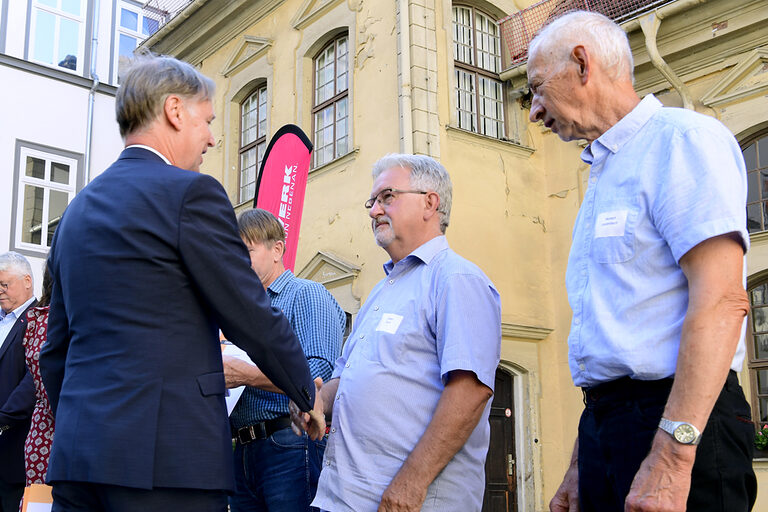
(611, 223)
(389, 323)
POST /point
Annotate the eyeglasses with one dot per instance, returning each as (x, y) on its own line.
(4, 286)
(386, 196)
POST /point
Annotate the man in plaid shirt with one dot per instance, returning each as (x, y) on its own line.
(274, 469)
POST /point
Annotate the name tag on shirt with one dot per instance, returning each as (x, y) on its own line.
(389, 323)
(611, 223)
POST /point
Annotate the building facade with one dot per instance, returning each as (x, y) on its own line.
(434, 77)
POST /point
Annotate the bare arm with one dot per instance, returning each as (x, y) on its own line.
(458, 411)
(239, 373)
(717, 304)
(566, 498)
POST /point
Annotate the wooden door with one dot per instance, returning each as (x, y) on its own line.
(501, 465)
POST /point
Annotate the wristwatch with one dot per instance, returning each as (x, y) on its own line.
(682, 432)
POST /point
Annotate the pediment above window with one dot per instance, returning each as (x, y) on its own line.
(748, 78)
(250, 48)
(327, 268)
(310, 10)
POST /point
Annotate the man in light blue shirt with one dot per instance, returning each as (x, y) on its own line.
(410, 394)
(656, 283)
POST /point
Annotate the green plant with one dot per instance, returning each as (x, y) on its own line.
(761, 438)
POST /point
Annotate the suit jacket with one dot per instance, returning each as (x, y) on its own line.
(17, 401)
(147, 265)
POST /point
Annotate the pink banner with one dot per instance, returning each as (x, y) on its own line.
(283, 181)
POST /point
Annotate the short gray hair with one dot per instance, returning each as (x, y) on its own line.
(15, 263)
(148, 81)
(602, 37)
(426, 174)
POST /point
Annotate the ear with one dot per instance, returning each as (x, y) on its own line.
(278, 249)
(431, 202)
(173, 110)
(580, 56)
(27, 281)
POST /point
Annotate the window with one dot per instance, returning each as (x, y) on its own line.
(46, 185)
(477, 62)
(253, 140)
(132, 28)
(57, 35)
(757, 351)
(330, 113)
(756, 160)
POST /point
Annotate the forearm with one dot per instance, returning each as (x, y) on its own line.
(458, 411)
(328, 392)
(239, 373)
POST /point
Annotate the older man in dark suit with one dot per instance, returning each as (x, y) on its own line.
(148, 266)
(17, 392)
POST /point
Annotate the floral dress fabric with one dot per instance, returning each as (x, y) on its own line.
(37, 447)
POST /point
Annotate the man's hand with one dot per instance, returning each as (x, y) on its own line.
(312, 422)
(403, 495)
(664, 479)
(566, 499)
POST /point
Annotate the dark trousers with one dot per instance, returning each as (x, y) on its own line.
(277, 474)
(615, 434)
(10, 496)
(85, 496)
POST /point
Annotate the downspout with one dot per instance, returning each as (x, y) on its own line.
(406, 109)
(92, 92)
(649, 23)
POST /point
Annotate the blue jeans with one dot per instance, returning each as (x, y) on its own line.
(277, 474)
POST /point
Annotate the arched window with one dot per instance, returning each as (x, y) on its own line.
(477, 63)
(757, 350)
(756, 160)
(330, 107)
(253, 140)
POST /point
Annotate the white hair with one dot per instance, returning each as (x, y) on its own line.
(426, 174)
(601, 37)
(15, 263)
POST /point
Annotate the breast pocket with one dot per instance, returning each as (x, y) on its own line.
(614, 235)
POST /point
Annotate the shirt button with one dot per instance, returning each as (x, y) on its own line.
(582, 367)
(338, 397)
(327, 463)
(362, 336)
(576, 321)
(346, 365)
(333, 430)
(375, 308)
(391, 281)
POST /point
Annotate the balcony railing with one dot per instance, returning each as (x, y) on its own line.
(518, 29)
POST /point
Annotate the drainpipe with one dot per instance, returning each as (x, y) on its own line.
(406, 120)
(92, 92)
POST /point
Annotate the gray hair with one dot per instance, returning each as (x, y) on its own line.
(15, 263)
(602, 37)
(148, 81)
(426, 174)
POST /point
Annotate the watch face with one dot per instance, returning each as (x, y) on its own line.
(685, 434)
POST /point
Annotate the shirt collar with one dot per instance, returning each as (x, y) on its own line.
(425, 252)
(281, 281)
(148, 148)
(620, 133)
(17, 312)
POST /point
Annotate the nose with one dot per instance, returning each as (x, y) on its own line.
(375, 210)
(537, 110)
(211, 141)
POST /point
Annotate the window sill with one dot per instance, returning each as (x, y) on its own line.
(759, 237)
(335, 163)
(485, 140)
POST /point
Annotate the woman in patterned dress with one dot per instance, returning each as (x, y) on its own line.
(37, 447)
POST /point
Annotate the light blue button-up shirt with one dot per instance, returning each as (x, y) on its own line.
(662, 181)
(435, 312)
(8, 320)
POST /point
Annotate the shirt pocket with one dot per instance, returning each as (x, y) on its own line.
(614, 232)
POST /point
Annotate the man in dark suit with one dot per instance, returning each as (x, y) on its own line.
(147, 266)
(17, 391)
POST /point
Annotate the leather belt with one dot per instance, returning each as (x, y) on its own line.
(261, 430)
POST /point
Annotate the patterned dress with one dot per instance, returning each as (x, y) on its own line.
(37, 448)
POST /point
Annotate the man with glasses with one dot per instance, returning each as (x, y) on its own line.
(410, 394)
(17, 391)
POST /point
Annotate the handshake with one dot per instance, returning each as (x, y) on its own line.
(312, 422)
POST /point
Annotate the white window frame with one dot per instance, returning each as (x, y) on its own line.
(35, 6)
(47, 185)
(119, 29)
(258, 144)
(475, 72)
(332, 102)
